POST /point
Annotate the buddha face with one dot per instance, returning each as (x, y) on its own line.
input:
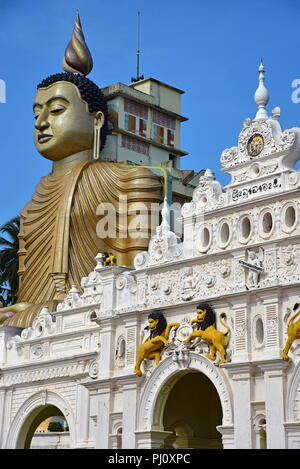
(63, 124)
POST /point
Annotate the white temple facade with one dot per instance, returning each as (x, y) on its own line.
(241, 255)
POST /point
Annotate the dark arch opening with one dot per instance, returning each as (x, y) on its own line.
(192, 412)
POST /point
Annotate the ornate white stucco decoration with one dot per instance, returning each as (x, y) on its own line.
(43, 325)
(164, 246)
(254, 266)
(207, 196)
(120, 351)
(126, 280)
(92, 290)
(188, 284)
(274, 138)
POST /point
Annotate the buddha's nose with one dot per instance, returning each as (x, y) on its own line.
(42, 122)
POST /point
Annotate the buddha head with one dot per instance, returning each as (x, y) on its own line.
(68, 107)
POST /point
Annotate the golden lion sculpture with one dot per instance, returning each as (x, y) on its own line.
(159, 333)
(109, 259)
(218, 340)
(293, 332)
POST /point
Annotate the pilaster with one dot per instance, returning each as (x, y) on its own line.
(241, 375)
(227, 432)
(130, 390)
(103, 416)
(82, 416)
(275, 391)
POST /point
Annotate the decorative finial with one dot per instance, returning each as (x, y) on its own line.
(165, 214)
(261, 96)
(77, 58)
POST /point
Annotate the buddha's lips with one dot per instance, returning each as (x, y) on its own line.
(42, 138)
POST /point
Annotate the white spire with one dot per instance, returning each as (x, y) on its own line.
(261, 96)
(165, 213)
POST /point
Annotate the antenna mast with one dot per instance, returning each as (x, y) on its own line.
(138, 56)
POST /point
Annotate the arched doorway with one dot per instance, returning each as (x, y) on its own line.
(35, 410)
(201, 383)
(44, 440)
(192, 412)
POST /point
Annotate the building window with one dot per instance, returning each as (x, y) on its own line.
(163, 128)
(163, 135)
(158, 133)
(136, 125)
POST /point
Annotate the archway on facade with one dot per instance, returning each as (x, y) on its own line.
(43, 440)
(35, 410)
(192, 413)
(211, 388)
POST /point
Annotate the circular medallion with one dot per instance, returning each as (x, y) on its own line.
(255, 145)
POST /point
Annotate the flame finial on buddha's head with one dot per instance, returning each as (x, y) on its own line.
(77, 58)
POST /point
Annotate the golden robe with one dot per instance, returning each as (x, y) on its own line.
(58, 239)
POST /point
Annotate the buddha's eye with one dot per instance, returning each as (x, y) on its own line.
(57, 110)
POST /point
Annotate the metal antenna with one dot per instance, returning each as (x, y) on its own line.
(138, 78)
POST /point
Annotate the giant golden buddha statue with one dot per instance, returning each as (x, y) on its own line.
(58, 237)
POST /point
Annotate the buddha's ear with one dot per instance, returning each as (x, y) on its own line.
(99, 119)
(98, 123)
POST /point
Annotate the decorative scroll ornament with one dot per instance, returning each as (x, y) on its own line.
(93, 369)
(77, 58)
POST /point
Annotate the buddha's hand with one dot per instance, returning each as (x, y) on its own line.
(9, 311)
(4, 316)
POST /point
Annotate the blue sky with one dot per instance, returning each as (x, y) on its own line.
(209, 49)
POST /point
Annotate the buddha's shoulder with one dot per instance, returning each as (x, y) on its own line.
(121, 171)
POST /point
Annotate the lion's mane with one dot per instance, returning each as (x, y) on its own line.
(161, 325)
(210, 317)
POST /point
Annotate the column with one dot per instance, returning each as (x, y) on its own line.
(241, 373)
(227, 433)
(275, 381)
(130, 392)
(82, 416)
(107, 346)
(103, 417)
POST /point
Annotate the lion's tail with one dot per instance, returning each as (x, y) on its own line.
(223, 315)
